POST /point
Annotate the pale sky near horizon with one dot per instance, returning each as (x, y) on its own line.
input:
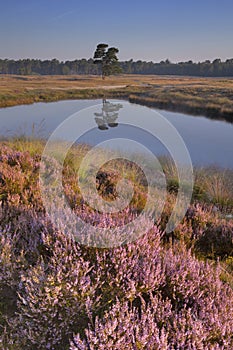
(150, 30)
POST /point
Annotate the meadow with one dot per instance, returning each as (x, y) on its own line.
(161, 291)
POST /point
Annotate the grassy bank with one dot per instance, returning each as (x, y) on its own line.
(213, 102)
(15, 90)
(212, 97)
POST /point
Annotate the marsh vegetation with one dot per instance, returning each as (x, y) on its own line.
(212, 97)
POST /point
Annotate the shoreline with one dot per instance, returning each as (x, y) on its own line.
(212, 98)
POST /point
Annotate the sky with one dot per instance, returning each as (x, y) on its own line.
(151, 30)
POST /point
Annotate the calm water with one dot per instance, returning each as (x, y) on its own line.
(208, 141)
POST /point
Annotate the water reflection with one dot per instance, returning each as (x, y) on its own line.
(108, 115)
(208, 141)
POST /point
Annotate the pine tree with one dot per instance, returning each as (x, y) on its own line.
(107, 60)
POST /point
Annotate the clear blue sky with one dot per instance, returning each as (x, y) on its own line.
(150, 30)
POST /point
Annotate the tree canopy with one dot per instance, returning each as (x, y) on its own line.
(107, 60)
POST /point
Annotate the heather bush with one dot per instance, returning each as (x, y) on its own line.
(19, 178)
(191, 309)
(51, 296)
(150, 293)
(156, 326)
(123, 327)
(10, 267)
(130, 270)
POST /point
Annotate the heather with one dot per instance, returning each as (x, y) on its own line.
(160, 291)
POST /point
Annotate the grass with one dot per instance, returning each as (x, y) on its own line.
(212, 97)
(16, 90)
(213, 185)
(209, 97)
(216, 184)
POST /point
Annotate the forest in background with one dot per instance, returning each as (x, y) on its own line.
(216, 68)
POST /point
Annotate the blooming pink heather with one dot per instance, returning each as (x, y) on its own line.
(150, 294)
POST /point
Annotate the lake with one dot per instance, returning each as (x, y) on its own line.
(209, 142)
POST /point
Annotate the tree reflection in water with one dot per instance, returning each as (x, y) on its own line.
(108, 116)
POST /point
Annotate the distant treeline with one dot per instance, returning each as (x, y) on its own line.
(86, 66)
